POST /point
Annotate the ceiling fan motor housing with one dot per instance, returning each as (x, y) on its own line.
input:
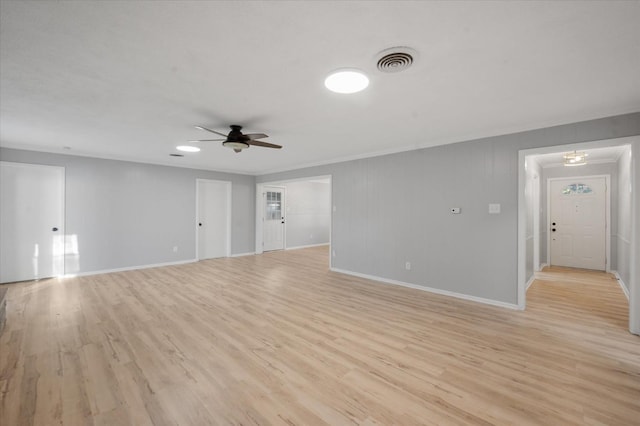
(236, 134)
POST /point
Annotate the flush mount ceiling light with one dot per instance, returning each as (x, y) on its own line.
(187, 148)
(346, 81)
(575, 158)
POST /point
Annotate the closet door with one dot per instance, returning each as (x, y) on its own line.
(31, 221)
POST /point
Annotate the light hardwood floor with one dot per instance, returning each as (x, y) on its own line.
(279, 339)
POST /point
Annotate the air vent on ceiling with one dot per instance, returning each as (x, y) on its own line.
(395, 59)
(176, 155)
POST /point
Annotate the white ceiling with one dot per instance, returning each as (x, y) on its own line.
(129, 80)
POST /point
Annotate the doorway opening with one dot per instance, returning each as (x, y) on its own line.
(545, 236)
(292, 214)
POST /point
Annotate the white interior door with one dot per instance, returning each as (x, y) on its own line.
(273, 227)
(577, 223)
(214, 218)
(31, 221)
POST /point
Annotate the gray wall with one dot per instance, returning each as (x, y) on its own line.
(587, 170)
(395, 208)
(308, 213)
(389, 209)
(623, 235)
(127, 214)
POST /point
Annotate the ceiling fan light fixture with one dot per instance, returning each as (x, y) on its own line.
(187, 148)
(346, 81)
(575, 158)
(236, 145)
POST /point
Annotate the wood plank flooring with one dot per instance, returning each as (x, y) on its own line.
(279, 339)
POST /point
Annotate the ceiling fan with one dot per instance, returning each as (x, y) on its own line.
(237, 140)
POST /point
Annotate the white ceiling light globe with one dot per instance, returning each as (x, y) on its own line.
(346, 81)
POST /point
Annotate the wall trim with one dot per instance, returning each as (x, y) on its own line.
(531, 280)
(621, 283)
(128, 268)
(430, 289)
(306, 246)
(251, 253)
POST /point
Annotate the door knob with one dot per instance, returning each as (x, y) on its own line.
(54, 229)
(553, 229)
(199, 224)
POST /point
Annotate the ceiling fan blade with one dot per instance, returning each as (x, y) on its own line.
(207, 140)
(256, 135)
(209, 130)
(264, 144)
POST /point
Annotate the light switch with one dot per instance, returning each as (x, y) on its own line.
(494, 208)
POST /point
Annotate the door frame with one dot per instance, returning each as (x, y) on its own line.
(536, 186)
(63, 224)
(607, 213)
(634, 279)
(228, 224)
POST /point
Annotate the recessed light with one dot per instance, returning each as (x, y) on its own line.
(187, 148)
(346, 81)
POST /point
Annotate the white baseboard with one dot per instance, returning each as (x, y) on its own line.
(621, 283)
(531, 280)
(251, 253)
(431, 289)
(542, 266)
(129, 268)
(307, 246)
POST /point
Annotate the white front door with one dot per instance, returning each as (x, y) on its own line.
(31, 221)
(273, 227)
(214, 218)
(577, 223)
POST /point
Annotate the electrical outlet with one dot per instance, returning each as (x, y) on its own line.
(407, 266)
(175, 249)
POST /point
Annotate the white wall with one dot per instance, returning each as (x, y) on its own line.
(126, 214)
(308, 213)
